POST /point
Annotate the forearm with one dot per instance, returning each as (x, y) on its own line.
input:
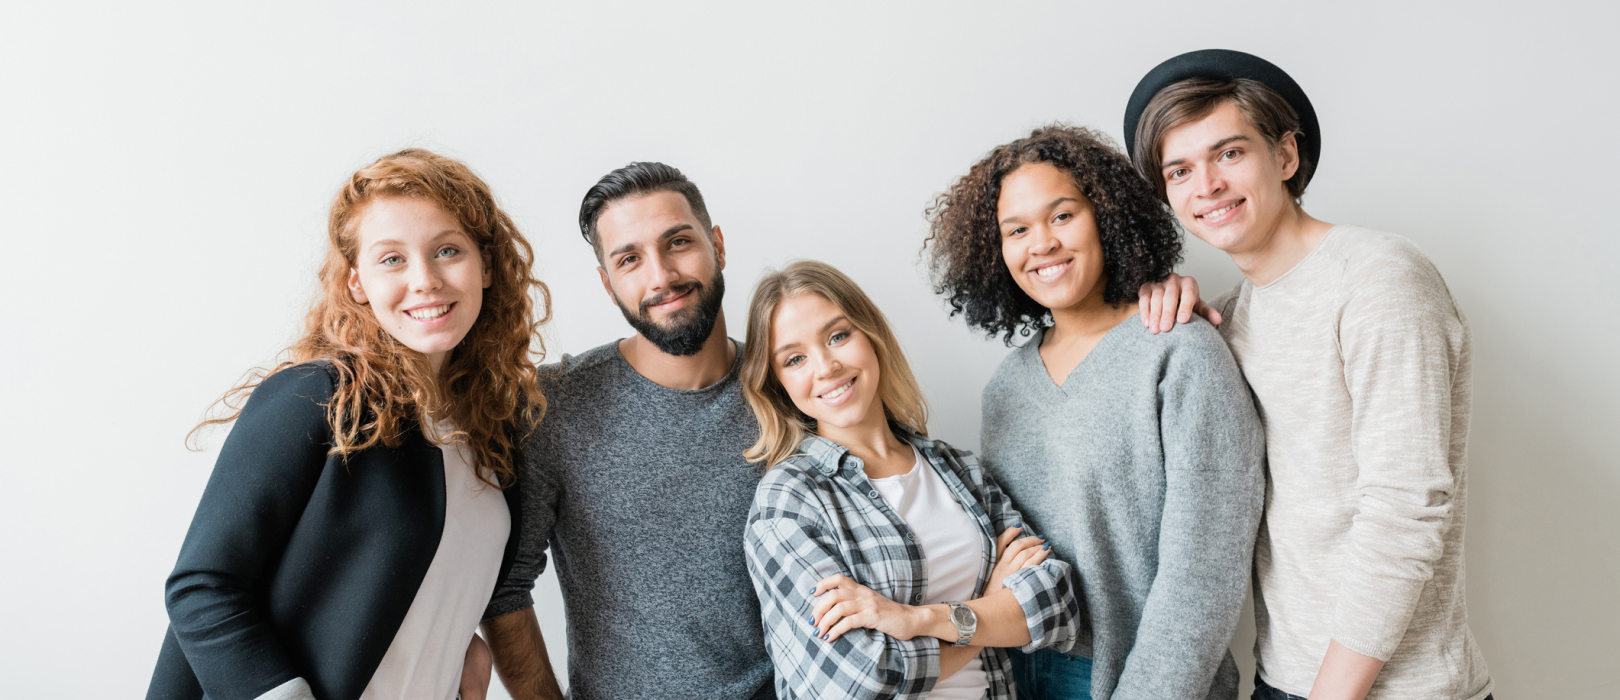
(1345, 674)
(520, 656)
(1001, 621)
(952, 659)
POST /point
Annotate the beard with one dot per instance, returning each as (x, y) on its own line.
(688, 328)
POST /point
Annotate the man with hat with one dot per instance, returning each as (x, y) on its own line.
(1359, 359)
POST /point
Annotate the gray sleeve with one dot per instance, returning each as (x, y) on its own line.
(539, 498)
(1214, 451)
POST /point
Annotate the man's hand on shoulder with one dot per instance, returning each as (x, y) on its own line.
(1175, 300)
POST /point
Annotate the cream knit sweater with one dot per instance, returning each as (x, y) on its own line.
(1359, 361)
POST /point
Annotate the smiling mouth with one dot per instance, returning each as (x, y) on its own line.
(428, 313)
(1218, 213)
(1052, 270)
(837, 391)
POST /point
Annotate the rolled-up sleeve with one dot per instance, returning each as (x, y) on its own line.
(538, 497)
(789, 550)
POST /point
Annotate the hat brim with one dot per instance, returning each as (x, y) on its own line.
(1228, 65)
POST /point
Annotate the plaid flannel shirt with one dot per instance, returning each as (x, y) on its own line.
(816, 515)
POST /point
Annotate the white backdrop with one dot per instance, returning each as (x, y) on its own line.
(166, 169)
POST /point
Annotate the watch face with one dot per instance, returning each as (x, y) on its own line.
(963, 616)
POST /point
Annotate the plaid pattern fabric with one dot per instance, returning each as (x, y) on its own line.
(816, 515)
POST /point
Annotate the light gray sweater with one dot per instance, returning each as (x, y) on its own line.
(1360, 362)
(1145, 469)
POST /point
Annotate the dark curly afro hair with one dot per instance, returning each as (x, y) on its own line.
(1140, 241)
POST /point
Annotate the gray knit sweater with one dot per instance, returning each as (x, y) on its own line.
(641, 494)
(1145, 470)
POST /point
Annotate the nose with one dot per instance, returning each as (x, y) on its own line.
(1042, 241)
(827, 366)
(425, 278)
(1208, 182)
(663, 272)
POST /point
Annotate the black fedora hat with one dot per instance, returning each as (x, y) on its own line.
(1228, 65)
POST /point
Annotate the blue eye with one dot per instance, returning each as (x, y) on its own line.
(393, 260)
(449, 251)
(839, 337)
(793, 361)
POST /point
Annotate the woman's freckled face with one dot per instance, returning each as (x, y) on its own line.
(828, 367)
(1049, 236)
(420, 273)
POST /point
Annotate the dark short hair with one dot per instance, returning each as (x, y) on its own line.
(634, 180)
(1193, 99)
(1140, 242)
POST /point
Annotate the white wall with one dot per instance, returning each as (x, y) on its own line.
(164, 172)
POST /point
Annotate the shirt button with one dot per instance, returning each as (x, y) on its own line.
(916, 599)
(872, 494)
(909, 538)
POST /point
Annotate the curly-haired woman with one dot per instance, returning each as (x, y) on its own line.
(354, 526)
(1139, 455)
(873, 548)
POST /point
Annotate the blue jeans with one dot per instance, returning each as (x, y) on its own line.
(1051, 675)
(1262, 691)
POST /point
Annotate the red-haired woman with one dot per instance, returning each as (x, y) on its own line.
(355, 524)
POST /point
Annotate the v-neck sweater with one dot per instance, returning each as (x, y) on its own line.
(1145, 470)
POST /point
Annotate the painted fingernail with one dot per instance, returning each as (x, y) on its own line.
(811, 622)
(825, 636)
(1048, 545)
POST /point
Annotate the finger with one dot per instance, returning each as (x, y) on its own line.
(1021, 544)
(1035, 544)
(1036, 558)
(1166, 311)
(825, 602)
(1144, 296)
(1189, 299)
(849, 623)
(829, 583)
(1209, 312)
(1155, 305)
(826, 620)
(1007, 536)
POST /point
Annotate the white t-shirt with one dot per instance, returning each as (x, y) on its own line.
(953, 550)
(424, 660)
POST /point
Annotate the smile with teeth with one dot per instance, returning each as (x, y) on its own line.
(1218, 212)
(837, 391)
(1051, 270)
(428, 313)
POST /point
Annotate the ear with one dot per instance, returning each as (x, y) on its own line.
(719, 241)
(355, 290)
(489, 277)
(606, 285)
(1288, 155)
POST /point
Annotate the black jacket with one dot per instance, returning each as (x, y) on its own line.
(300, 563)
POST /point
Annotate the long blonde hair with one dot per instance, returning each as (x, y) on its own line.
(782, 426)
(487, 388)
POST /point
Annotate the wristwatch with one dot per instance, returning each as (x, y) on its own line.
(966, 623)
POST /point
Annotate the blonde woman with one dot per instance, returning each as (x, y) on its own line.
(873, 549)
(355, 526)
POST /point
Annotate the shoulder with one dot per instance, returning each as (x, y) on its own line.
(307, 385)
(788, 488)
(1385, 272)
(1013, 370)
(573, 370)
(1196, 339)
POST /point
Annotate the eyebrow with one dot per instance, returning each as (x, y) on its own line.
(393, 242)
(835, 321)
(1218, 145)
(628, 247)
(1054, 203)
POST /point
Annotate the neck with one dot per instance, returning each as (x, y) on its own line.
(1293, 236)
(684, 373)
(1090, 318)
(872, 441)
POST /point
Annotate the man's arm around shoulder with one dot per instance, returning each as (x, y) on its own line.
(520, 656)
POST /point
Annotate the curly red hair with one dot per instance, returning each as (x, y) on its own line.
(487, 387)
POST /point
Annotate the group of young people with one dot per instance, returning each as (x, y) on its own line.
(771, 518)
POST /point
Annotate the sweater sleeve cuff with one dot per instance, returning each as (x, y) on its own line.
(1048, 599)
(508, 604)
(295, 689)
(1373, 613)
